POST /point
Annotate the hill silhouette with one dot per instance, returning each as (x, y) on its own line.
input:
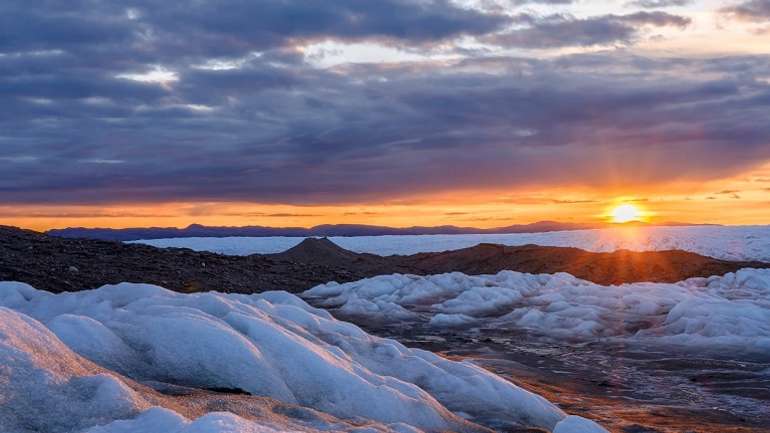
(197, 230)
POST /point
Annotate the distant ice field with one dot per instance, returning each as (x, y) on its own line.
(729, 243)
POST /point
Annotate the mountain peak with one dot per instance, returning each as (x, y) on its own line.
(318, 250)
(313, 243)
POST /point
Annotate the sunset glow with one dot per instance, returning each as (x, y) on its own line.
(626, 213)
(741, 199)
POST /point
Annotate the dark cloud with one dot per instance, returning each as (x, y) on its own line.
(292, 215)
(217, 210)
(40, 25)
(729, 192)
(547, 2)
(507, 5)
(328, 136)
(751, 10)
(482, 219)
(561, 30)
(150, 30)
(655, 4)
(88, 214)
(214, 120)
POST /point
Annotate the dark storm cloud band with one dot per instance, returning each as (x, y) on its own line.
(751, 10)
(236, 113)
(655, 4)
(329, 138)
(567, 31)
(151, 28)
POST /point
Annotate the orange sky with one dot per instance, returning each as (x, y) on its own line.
(743, 199)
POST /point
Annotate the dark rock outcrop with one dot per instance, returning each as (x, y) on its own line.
(59, 264)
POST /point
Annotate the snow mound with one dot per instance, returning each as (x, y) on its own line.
(39, 374)
(728, 243)
(163, 420)
(271, 344)
(729, 310)
(45, 387)
(576, 424)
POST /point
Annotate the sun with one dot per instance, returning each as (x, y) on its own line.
(626, 213)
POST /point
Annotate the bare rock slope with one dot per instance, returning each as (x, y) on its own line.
(58, 264)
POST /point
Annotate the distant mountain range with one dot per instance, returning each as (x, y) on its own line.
(197, 230)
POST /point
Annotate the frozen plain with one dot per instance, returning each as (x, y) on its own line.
(722, 242)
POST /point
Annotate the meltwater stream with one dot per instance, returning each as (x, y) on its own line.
(643, 357)
(628, 388)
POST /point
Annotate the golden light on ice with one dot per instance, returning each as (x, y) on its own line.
(626, 213)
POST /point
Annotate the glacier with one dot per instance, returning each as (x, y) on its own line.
(718, 312)
(93, 361)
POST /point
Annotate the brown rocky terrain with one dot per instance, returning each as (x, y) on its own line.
(617, 267)
(59, 264)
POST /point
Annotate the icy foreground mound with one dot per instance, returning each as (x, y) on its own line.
(45, 387)
(272, 344)
(38, 374)
(731, 310)
(728, 243)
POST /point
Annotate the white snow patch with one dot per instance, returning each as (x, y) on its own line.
(271, 344)
(451, 320)
(723, 242)
(729, 310)
(163, 420)
(45, 387)
(576, 424)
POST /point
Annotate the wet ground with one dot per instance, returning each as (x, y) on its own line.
(628, 389)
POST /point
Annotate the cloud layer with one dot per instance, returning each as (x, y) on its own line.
(567, 31)
(154, 101)
(750, 10)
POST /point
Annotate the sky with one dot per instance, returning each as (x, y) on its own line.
(397, 112)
